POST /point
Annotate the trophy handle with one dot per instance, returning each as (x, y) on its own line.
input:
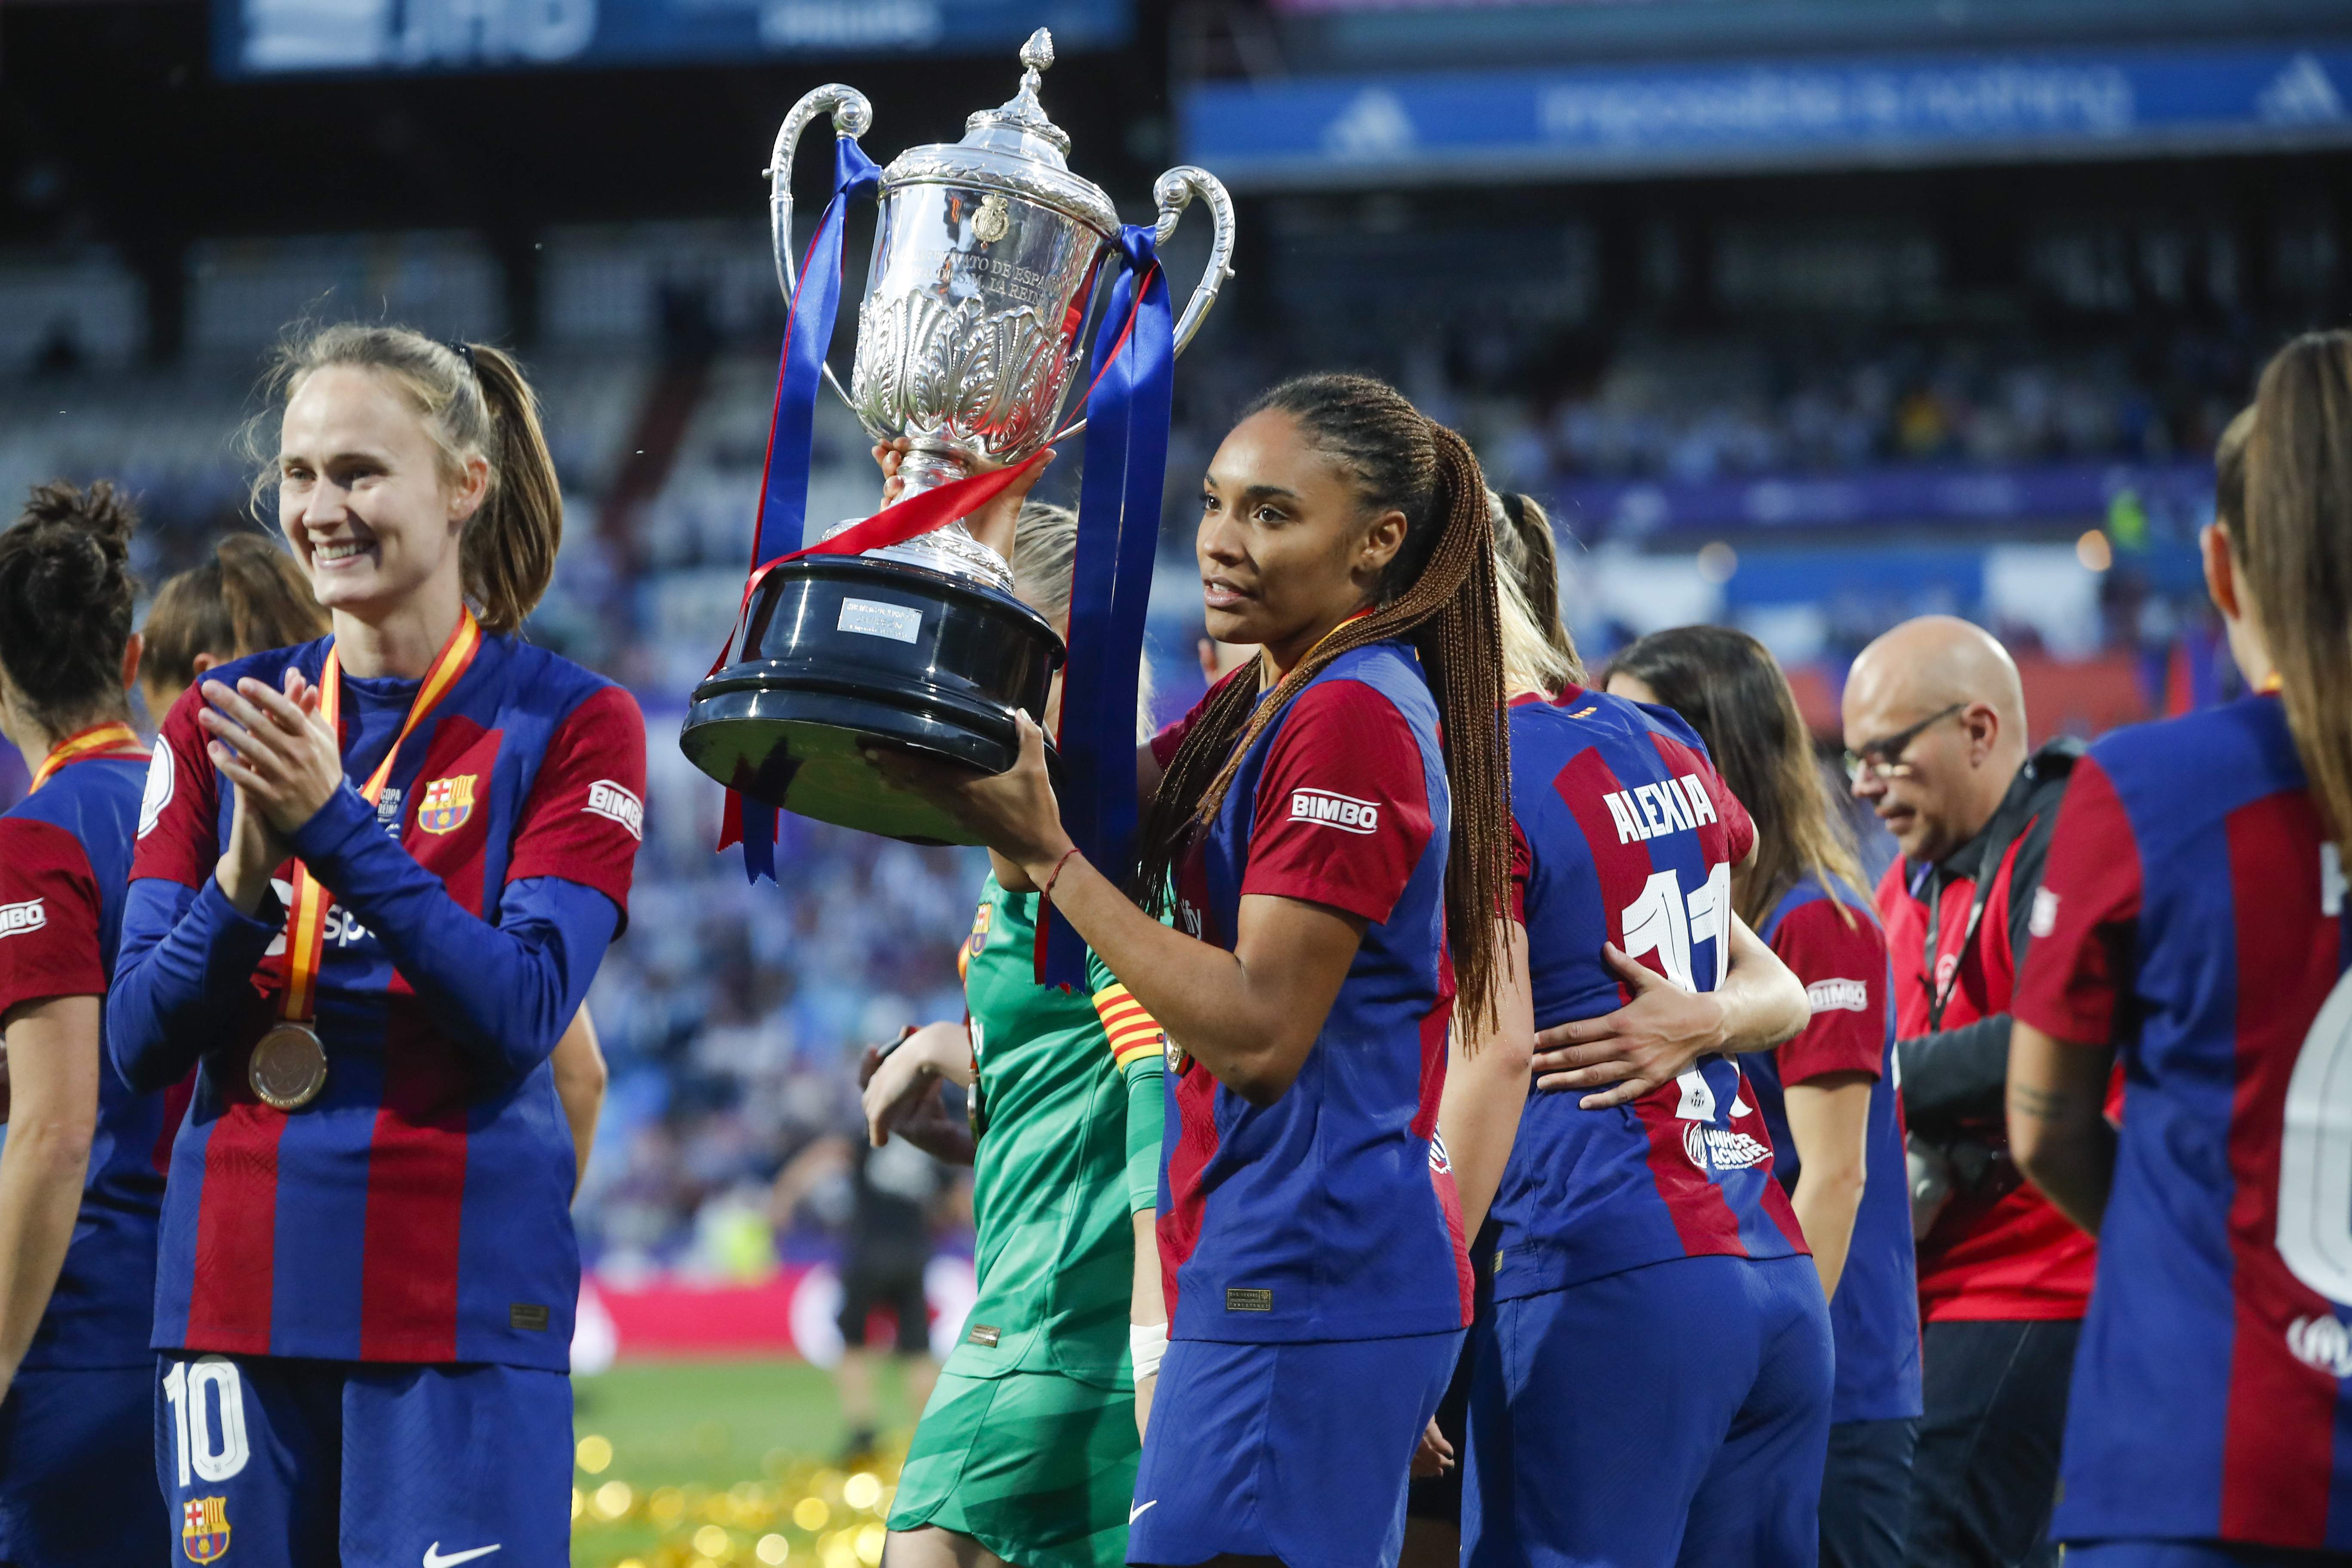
(1173, 191)
(852, 115)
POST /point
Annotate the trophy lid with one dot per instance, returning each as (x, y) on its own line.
(1014, 147)
(1019, 123)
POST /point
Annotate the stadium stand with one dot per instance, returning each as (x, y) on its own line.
(1813, 486)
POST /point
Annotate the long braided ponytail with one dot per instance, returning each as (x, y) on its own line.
(1438, 594)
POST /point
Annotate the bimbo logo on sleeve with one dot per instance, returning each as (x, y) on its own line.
(1838, 995)
(608, 799)
(1344, 812)
(30, 915)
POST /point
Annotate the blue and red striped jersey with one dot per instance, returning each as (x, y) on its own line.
(1834, 945)
(2193, 912)
(1624, 833)
(1329, 1214)
(419, 1209)
(65, 858)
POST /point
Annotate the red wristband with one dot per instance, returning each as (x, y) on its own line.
(1045, 893)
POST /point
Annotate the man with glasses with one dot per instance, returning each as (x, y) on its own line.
(1935, 727)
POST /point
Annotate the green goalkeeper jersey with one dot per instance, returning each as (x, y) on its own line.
(1067, 1103)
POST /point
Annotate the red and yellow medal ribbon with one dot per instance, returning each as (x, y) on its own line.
(85, 744)
(1265, 670)
(306, 925)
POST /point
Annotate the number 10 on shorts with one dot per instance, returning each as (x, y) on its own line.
(207, 1400)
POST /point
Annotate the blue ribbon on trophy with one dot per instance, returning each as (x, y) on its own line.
(998, 255)
(1132, 384)
(784, 487)
(1132, 374)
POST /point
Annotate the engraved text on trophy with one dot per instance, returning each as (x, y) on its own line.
(965, 336)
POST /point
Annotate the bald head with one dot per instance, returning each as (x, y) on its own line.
(1935, 661)
(1937, 707)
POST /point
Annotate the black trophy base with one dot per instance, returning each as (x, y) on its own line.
(841, 654)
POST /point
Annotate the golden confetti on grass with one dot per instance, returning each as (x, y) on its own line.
(799, 1512)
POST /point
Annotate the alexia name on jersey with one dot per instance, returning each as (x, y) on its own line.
(1676, 805)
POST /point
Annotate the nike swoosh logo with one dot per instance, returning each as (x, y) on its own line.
(433, 1558)
(1137, 1512)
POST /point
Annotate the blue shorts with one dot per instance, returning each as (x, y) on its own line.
(366, 1465)
(1677, 1412)
(75, 1449)
(2194, 1554)
(1294, 1451)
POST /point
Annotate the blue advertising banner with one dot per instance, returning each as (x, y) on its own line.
(2178, 493)
(1606, 121)
(264, 37)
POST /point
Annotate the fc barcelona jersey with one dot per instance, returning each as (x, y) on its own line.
(1624, 833)
(1834, 945)
(65, 856)
(1330, 1214)
(2193, 912)
(418, 1210)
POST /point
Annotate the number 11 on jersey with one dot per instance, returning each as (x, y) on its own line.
(1660, 920)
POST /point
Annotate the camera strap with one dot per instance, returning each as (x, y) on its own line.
(2002, 832)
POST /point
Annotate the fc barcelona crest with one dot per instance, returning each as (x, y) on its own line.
(976, 943)
(204, 1531)
(446, 804)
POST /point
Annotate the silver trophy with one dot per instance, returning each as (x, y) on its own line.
(972, 323)
(985, 256)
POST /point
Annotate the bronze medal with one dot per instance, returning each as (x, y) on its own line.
(289, 1066)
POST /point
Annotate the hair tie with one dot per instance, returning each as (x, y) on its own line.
(465, 351)
(1515, 508)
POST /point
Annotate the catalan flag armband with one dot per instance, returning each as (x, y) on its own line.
(1133, 1032)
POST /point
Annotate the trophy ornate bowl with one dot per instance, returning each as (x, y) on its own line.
(972, 323)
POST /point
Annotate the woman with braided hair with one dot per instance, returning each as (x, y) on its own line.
(1332, 819)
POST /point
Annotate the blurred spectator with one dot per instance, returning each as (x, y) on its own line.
(881, 1203)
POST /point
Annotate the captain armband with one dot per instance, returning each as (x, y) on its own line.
(1132, 1032)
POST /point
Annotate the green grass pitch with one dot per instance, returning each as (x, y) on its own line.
(692, 1464)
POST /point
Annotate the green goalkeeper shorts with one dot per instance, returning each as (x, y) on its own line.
(1038, 1468)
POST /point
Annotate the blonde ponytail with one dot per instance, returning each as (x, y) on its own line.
(511, 545)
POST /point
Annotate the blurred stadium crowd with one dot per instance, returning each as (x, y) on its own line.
(1780, 476)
